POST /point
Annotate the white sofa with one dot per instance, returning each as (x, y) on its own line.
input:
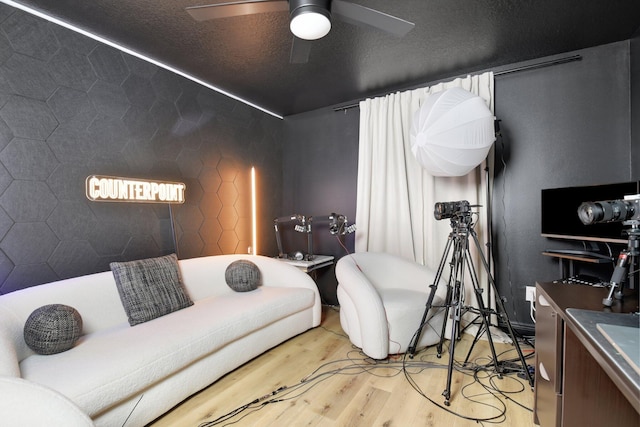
(119, 374)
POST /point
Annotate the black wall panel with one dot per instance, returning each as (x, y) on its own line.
(320, 170)
(565, 125)
(635, 104)
(71, 107)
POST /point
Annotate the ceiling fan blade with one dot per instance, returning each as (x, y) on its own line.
(237, 8)
(363, 16)
(300, 50)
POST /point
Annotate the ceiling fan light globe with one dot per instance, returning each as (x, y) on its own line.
(309, 25)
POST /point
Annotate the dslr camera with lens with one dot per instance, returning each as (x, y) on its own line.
(627, 209)
(444, 210)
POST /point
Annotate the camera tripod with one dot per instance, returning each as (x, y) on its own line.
(628, 257)
(460, 263)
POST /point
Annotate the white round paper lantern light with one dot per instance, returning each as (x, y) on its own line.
(452, 132)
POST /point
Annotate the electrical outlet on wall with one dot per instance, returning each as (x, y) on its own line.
(531, 293)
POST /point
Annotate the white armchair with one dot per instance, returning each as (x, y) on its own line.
(382, 299)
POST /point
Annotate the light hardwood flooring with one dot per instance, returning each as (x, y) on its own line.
(330, 383)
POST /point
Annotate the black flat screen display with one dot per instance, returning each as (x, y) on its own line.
(560, 212)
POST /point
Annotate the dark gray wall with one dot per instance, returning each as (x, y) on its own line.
(635, 103)
(71, 107)
(320, 167)
(563, 125)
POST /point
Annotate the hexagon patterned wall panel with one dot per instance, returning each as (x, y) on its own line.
(71, 107)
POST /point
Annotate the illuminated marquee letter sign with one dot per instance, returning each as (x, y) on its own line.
(113, 189)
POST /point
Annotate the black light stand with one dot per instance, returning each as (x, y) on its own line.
(460, 263)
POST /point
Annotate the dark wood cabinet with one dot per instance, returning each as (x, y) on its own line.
(548, 377)
(575, 383)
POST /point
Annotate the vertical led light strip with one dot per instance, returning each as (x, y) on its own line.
(254, 243)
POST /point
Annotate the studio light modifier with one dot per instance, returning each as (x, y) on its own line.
(627, 209)
(443, 210)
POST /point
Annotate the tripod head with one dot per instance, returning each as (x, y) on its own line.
(462, 223)
(459, 213)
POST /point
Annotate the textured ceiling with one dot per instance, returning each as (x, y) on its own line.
(249, 56)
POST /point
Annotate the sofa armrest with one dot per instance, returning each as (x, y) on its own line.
(25, 403)
(11, 341)
(368, 328)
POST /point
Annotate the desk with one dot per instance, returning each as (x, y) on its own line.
(578, 381)
(317, 262)
(571, 258)
(584, 324)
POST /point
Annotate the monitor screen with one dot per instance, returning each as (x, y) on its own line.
(559, 207)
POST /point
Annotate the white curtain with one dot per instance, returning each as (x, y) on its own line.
(395, 195)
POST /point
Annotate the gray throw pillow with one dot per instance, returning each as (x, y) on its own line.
(52, 329)
(150, 288)
(243, 276)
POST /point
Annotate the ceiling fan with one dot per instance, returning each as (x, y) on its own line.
(309, 19)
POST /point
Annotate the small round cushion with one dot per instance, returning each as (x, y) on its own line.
(52, 329)
(243, 276)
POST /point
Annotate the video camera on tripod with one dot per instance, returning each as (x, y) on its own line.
(457, 256)
(626, 211)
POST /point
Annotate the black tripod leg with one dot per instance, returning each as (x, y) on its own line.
(512, 335)
(502, 313)
(411, 350)
(457, 277)
(414, 342)
(484, 312)
(457, 310)
(475, 340)
(443, 331)
(608, 300)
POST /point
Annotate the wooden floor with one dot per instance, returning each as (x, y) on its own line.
(327, 382)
